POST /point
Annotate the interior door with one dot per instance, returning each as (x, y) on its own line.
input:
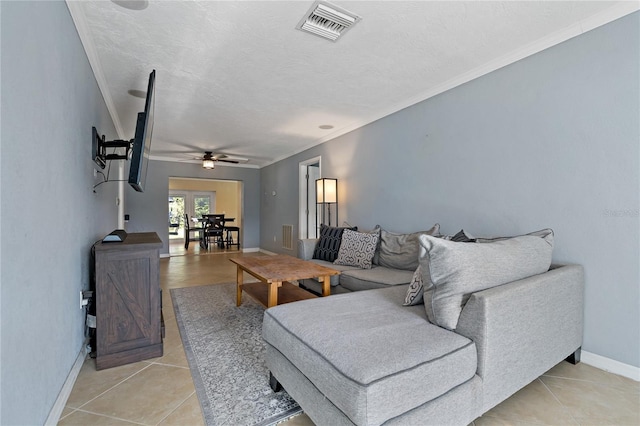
(313, 171)
(307, 212)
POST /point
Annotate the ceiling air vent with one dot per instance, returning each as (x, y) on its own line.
(327, 21)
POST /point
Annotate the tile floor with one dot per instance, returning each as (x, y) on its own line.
(160, 391)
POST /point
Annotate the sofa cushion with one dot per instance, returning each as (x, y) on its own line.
(452, 271)
(376, 277)
(400, 251)
(356, 350)
(357, 249)
(335, 279)
(329, 242)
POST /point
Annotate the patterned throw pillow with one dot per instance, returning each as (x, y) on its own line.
(415, 291)
(357, 249)
(329, 243)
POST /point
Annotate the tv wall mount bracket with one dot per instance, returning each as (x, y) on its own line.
(100, 146)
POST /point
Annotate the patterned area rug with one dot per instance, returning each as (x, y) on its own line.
(225, 350)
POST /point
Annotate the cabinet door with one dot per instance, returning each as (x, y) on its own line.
(128, 301)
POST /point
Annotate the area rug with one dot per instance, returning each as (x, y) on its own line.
(225, 350)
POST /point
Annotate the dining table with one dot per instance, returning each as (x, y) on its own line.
(205, 220)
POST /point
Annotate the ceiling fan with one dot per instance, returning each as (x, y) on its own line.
(209, 159)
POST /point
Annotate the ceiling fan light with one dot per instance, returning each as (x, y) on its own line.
(208, 164)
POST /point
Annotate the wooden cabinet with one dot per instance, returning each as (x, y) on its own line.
(128, 305)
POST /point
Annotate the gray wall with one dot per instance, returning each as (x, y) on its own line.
(149, 210)
(50, 215)
(550, 141)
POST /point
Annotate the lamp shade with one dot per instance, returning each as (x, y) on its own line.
(207, 164)
(326, 190)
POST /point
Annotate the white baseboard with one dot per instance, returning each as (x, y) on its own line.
(267, 252)
(163, 255)
(251, 250)
(63, 396)
(610, 365)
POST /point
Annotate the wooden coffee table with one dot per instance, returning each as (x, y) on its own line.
(274, 273)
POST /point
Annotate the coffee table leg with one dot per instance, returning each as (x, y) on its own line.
(239, 278)
(272, 297)
(326, 286)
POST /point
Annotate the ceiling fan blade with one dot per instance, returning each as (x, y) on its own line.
(228, 161)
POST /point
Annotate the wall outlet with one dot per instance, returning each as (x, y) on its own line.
(83, 302)
(91, 321)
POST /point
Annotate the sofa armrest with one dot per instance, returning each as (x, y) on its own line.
(522, 329)
(306, 246)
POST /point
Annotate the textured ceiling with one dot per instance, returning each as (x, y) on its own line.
(236, 77)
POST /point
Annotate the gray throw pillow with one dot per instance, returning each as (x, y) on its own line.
(541, 233)
(452, 271)
(357, 249)
(400, 251)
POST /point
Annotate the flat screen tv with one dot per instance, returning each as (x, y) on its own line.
(142, 140)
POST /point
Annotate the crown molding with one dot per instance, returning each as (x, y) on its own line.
(78, 17)
(617, 11)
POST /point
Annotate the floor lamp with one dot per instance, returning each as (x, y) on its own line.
(326, 196)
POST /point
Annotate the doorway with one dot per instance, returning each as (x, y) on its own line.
(308, 214)
(198, 197)
(194, 204)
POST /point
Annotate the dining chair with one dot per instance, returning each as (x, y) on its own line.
(215, 229)
(188, 230)
(229, 238)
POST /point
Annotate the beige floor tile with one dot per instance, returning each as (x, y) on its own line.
(188, 413)
(91, 382)
(532, 404)
(150, 392)
(586, 372)
(593, 403)
(301, 420)
(66, 411)
(82, 418)
(148, 397)
(494, 421)
(173, 356)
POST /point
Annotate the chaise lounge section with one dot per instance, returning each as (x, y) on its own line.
(365, 358)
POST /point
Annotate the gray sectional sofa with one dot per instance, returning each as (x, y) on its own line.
(491, 318)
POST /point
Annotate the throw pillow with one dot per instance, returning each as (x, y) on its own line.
(400, 251)
(415, 291)
(541, 233)
(451, 271)
(329, 243)
(460, 237)
(357, 249)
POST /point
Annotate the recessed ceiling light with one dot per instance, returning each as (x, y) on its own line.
(132, 4)
(327, 20)
(137, 93)
(326, 126)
